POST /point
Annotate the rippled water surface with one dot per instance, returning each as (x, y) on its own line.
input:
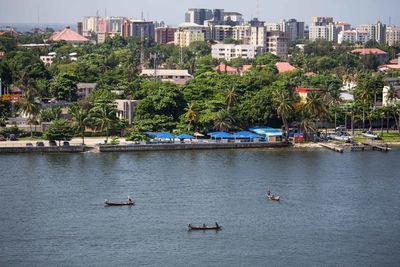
(336, 209)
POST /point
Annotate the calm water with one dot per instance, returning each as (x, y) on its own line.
(337, 209)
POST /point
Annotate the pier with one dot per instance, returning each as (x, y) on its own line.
(332, 147)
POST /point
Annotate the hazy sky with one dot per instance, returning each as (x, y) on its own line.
(172, 11)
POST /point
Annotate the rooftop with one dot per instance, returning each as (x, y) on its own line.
(366, 51)
(284, 67)
(68, 35)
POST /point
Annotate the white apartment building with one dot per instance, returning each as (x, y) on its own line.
(258, 37)
(323, 28)
(242, 33)
(353, 36)
(231, 51)
(392, 35)
(377, 31)
(188, 33)
(89, 25)
(273, 26)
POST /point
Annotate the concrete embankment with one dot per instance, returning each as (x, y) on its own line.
(161, 147)
(57, 149)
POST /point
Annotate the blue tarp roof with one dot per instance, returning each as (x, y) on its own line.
(246, 135)
(221, 135)
(267, 131)
(185, 136)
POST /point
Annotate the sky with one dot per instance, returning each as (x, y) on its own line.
(173, 11)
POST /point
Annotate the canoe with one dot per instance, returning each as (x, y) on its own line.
(273, 197)
(203, 228)
(119, 203)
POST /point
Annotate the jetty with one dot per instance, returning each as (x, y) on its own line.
(378, 147)
(333, 147)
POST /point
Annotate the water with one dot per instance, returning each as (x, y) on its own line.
(336, 209)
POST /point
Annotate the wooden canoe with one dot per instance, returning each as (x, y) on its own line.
(204, 228)
(108, 203)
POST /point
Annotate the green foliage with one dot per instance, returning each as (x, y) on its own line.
(63, 87)
(59, 130)
(50, 114)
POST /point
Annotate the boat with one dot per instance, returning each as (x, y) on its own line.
(370, 135)
(215, 227)
(121, 203)
(274, 197)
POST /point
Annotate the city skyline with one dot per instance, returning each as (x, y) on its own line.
(43, 11)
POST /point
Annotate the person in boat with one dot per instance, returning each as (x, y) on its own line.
(204, 225)
(269, 193)
(130, 200)
(216, 225)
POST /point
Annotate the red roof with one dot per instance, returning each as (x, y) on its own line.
(284, 67)
(68, 35)
(225, 68)
(366, 51)
(246, 68)
(394, 61)
(306, 90)
(390, 67)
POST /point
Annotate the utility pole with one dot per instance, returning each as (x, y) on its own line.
(1, 88)
(155, 57)
(181, 54)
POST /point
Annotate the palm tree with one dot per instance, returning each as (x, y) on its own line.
(30, 106)
(284, 107)
(80, 118)
(230, 97)
(104, 116)
(190, 115)
(223, 121)
(391, 94)
(315, 106)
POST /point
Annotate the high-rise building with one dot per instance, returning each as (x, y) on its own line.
(221, 32)
(323, 28)
(198, 15)
(277, 43)
(377, 31)
(188, 33)
(165, 35)
(392, 35)
(138, 28)
(231, 51)
(242, 33)
(293, 29)
(89, 25)
(353, 36)
(273, 26)
(258, 36)
(233, 18)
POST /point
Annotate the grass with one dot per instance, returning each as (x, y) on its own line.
(391, 137)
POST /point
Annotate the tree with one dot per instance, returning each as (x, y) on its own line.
(223, 121)
(284, 107)
(30, 106)
(230, 97)
(80, 120)
(50, 114)
(190, 115)
(315, 106)
(104, 116)
(59, 130)
(63, 87)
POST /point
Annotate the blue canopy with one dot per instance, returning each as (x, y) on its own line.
(185, 136)
(221, 135)
(162, 135)
(246, 135)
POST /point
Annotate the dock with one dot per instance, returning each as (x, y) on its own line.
(333, 147)
(378, 147)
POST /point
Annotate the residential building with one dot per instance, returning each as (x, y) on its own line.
(353, 36)
(342, 26)
(89, 25)
(233, 18)
(376, 31)
(293, 29)
(390, 82)
(68, 36)
(2, 53)
(126, 109)
(138, 28)
(231, 51)
(115, 26)
(323, 28)
(188, 33)
(198, 15)
(48, 60)
(258, 36)
(85, 89)
(165, 35)
(242, 33)
(382, 56)
(179, 77)
(273, 26)
(221, 32)
(392, 35)
(303, 93)
(277, 43)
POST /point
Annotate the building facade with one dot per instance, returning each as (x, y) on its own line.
(188, 33)
(231, 51)
(165, 35)
(353, 36)
(392, 35)
(323, 28)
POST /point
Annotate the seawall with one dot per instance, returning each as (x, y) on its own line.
(161, 147)
(56, 149)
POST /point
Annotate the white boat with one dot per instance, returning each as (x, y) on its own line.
(344, 138)
(370, 135)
